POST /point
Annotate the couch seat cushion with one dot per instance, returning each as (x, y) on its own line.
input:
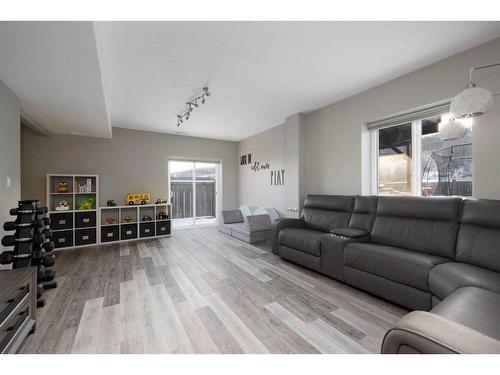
(400, 265)
(240, 228)
(446, 278)
(305, 240)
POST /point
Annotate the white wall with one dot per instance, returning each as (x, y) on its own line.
(10, 154)
(255, 187)
(487, 152)
(335, 149)
(132, 161)
(294, 134)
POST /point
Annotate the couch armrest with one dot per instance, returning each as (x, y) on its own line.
(428, 333)
(258, 223)
(282, 224)
(332, 251)
(349, 232)
(231, 216)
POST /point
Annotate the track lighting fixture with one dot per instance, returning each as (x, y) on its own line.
(192, 105)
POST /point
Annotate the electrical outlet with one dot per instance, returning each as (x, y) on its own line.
(9, 182)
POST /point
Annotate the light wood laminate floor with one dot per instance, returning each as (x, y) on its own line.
(201, 291)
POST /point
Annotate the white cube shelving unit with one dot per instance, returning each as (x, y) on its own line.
(136, 228)
(73, 227)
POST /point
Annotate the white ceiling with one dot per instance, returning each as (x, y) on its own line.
(54, 68)
(70, 76)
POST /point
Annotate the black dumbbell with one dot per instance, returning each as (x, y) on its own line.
(49, 260)
(50, 284)
(6, 257)
(44, 275)
(13, 225)
(11, 240)
(38, 211)
(38, 240)
(47, 233)
(39, 290)
(48, 246)
(40, 302)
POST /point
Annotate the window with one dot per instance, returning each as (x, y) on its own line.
(411, 159)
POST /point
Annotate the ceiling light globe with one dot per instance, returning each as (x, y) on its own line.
(452, 129)
(471, 102)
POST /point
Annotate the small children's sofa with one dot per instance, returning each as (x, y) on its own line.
(249, 223)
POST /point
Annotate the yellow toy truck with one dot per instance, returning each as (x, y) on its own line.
(141, 198)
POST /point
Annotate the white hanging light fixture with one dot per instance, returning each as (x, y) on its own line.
(473, 101)
(470, 103)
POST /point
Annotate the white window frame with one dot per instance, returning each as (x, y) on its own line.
(416, 134)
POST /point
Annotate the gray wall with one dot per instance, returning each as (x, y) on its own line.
(132, 161)
(336, 149)
(10, 154)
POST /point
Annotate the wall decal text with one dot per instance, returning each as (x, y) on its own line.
(278, 177)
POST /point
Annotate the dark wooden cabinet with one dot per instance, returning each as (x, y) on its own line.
(17, 307)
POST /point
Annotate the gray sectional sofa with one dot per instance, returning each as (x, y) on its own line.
(437, 255)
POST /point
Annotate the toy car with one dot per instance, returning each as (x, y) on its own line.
(161, 201)
(128, 220)
(162, 215)
(138, 198)
(111, 203)
(110, 221)
(147, 218)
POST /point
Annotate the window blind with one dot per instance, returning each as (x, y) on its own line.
(409, 116)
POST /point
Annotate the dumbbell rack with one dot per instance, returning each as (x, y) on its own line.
(32, 244)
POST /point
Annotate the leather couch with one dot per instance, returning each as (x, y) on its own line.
(424, 254)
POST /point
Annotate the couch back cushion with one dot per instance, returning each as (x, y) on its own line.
(325, 212)
(364, 212)
(479, 235)
(428, 225)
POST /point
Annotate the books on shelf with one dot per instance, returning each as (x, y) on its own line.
(85, 187)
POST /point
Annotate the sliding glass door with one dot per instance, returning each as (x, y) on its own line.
(194, 192)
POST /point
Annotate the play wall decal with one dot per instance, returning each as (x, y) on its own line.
(277, 175)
